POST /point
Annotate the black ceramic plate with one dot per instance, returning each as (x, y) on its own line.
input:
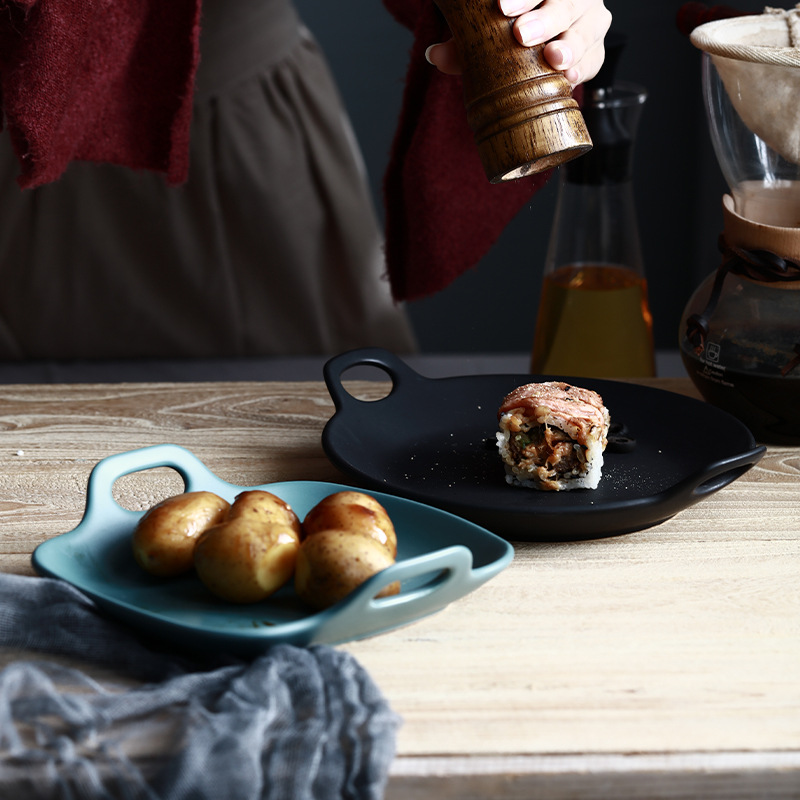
(433, 440)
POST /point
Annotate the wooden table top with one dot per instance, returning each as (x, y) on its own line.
(663, 663)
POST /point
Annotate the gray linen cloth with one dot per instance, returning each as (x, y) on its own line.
(293, 724)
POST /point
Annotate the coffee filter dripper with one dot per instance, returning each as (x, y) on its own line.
(757, 58)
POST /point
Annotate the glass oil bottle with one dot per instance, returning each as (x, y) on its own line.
(594, 318)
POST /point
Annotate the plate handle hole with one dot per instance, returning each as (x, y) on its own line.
(138, 491)
(720, 481)
(368, 383)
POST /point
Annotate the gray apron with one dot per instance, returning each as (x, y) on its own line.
(272, 246)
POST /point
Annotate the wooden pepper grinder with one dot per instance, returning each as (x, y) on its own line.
(520, 110)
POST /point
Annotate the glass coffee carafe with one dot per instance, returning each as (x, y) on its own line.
(740, 332)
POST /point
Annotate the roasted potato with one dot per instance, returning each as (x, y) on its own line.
(347, 538)
(263, 508)
(165, 536)
(332, 563)
(245, 551)
(355, 512)
(243, 560)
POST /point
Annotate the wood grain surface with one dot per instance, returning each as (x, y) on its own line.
(663, 663)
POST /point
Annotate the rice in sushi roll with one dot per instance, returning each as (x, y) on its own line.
(552, 436)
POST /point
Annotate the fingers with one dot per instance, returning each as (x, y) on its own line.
(573, 29)
(444, 56)
(561, 56)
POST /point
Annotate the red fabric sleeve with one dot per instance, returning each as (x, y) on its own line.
(442, 214)
(98, 81)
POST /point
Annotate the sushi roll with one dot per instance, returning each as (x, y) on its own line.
(552, 436)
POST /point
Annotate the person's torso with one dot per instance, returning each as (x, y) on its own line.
(238, 37)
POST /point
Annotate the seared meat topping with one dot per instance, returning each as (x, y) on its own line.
(579, 411)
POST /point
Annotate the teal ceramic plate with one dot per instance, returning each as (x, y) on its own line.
(440, 558)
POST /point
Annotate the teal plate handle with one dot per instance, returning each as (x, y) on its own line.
(441, 558)
(195, 474)
(449, 570)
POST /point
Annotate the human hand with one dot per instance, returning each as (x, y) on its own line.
(574, 31)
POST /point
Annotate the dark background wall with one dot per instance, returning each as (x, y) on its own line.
(677, 183)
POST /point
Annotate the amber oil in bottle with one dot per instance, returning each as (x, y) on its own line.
(594, 319)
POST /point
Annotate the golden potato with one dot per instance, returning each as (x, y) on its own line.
(165, 536)
(244, 561)
(355, 512)
(264, 508)
(332, 563)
